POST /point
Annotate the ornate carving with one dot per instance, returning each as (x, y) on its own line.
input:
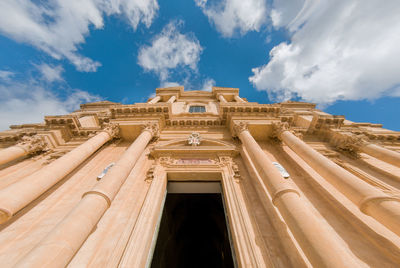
(165, 160)
(112, 129)
(194, 139)
(152, 128)
(351, 144)
(236, 174)
(32, 144)
(225, 161)
(278, 128)
(239, 127)
(150, 174)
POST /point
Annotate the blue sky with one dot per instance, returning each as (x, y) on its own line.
(343, 55)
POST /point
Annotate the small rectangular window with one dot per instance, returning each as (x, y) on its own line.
(197, 109)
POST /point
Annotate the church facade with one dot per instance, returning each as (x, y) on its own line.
(199, 179)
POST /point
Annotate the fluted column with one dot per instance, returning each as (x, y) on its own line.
(319, 244)
(155, 100)
(61, 244)
(137, 251)
(222, 99)
(381, 153)
(238, 99)
(172, 99)
(18, 195)
(27, 145)
(384, 208)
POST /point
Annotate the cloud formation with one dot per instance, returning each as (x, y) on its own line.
(168, 50)
(338, 50)
(6, 75)
(58, 27)
(50, 73)
(208, 84)
(29, 101)
(231, 16)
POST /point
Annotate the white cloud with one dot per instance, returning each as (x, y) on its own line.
(29, 101)
(170, 49)
(6, 75)
(230, 16)
(58, 27)
(339, 50)
(169, 84)
(208, 84)
(50, 73)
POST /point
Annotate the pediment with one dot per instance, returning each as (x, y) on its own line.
(182, 146)
(204, 143)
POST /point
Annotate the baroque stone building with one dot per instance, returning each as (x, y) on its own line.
(199, 179)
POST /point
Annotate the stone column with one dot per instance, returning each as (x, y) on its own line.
(172, 99)
(16, 196)
(144, 234)
(381, 153)
(27, 145)
(238, 99)
(155, 100)
(319, 243)
(222, 99)
(61, 244)
(371, 201)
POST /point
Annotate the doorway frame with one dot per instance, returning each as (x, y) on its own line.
(222, 169)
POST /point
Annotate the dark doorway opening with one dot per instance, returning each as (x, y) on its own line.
(193, 233)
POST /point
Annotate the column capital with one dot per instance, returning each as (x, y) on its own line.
(152, 128)
(279, 128)
(239, 127)
(112, 129)
(352, 143)
(32, 144)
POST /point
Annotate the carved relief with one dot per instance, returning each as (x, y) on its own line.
(32, 144)
(351, 144)
(225, 161)
(236, 174)
(150, 174)
(165, 160)
(194, 139)
(112, 129)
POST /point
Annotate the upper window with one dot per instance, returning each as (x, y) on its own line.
(197, 109)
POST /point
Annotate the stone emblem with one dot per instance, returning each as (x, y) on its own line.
(194, 139)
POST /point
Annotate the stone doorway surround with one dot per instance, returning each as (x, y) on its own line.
(198, 164)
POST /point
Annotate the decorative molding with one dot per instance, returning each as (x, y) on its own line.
(32, 144)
